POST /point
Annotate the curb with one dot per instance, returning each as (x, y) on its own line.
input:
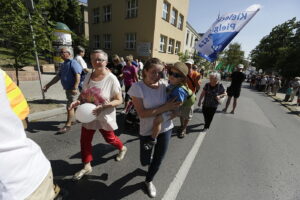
(46, 114)
(292, 109)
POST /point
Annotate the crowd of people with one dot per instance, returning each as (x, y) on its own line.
(157, 97)
(272, 84)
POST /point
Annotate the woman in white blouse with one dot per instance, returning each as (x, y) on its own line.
(101, 88)
(149, 98)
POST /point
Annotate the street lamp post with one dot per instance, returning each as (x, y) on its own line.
(30, 7)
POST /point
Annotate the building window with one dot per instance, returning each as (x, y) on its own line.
(96, 41)
(180, 21)
(166, 10)
(132, 8)
(171, 46)
(192, 40)
(107, 41)
(173, 17)
(163, 43)
(177, 47)
(96, 12)
(187, 38)
(130, 42)
(107, 13)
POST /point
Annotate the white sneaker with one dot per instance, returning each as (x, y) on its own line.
(81, 173)
(121, 154)
(150, 189)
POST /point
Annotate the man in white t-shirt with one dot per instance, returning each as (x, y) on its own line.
(263, 83)
(25, 172)
(80, 51)
(141, 65)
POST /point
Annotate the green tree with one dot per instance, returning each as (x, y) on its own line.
(201, 61)
(183, 56)
(279, 51)
(233, 55)
(15, 29)
(69, 13)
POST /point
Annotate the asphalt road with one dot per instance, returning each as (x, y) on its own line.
(253, 154)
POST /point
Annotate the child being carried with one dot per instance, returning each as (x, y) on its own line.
(178, 90)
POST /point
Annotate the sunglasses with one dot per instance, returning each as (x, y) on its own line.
(175, 75)
(161, 74)
(62, 52)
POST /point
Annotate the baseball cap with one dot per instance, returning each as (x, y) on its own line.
(241, 66)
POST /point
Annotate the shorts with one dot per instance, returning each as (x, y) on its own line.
(71, 97)
(45, 190)
(235, 92)
(186, 112)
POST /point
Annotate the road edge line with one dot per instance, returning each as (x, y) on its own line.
(184, 169)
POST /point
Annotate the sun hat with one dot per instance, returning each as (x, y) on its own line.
(180, 66)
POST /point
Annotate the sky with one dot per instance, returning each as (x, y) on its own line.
(273, 12)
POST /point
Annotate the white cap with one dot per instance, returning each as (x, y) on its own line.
(240, 66)
(189, 61)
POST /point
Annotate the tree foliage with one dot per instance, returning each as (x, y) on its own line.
(69, 13)
(183, 56)
(201, 61)
(279, 51)
(15, 29)
(233, 55)
(198, 60)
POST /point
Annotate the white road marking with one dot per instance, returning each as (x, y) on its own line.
(179, 178)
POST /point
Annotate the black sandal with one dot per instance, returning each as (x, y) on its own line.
(182, 133)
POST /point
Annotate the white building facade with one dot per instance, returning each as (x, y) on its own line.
(191, 37)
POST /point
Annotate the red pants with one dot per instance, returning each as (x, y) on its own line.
(86, 142)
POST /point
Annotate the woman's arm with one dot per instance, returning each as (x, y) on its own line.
(144, 113)
(201, 97)
(223, 94)
(117, 100)
(135, 76)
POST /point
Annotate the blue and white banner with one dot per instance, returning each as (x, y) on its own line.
(223, 30)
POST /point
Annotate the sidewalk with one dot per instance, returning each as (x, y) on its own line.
(292, 106)
(32, 90)
(55, 98)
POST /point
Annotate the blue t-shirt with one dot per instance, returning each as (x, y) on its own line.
(67, 73)
(178, 92)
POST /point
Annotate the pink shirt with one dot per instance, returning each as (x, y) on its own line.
(129, 74)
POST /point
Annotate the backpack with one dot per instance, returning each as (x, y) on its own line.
(191, 98)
